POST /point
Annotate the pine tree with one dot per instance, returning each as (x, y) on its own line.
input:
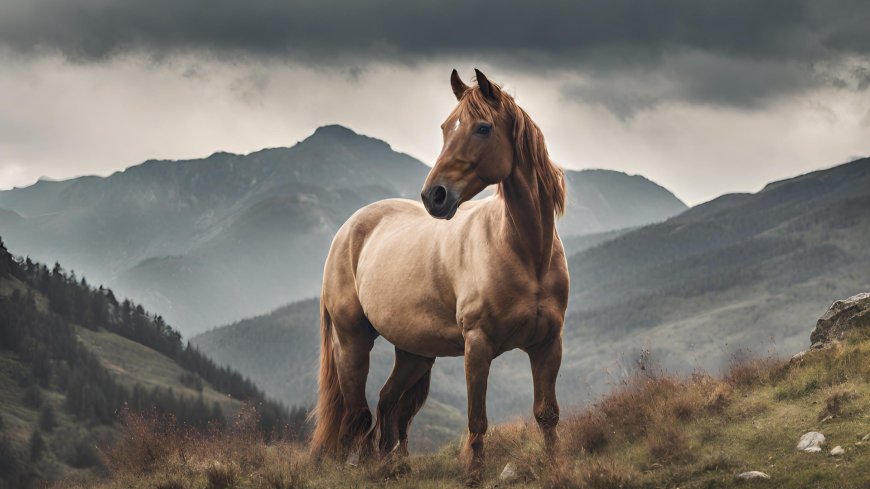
(47, 418)
(37, 445)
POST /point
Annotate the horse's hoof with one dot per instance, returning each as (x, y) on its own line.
(353, 459)
(472, 482)
(392, 469)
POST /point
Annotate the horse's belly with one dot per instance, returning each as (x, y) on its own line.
(425, 338)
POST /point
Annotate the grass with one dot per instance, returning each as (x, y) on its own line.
(133, 363)
(654, 430)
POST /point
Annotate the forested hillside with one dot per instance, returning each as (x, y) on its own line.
(61, 396)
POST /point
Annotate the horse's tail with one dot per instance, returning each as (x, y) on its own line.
(330, 403)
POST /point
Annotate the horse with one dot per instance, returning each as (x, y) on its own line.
(481, 278)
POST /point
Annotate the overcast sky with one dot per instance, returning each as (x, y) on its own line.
(703, 97)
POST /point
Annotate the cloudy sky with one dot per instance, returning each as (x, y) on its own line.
(704, 97)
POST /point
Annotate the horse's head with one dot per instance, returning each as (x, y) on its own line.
(478, 147)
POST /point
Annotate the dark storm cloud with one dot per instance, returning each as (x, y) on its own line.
(736, 52)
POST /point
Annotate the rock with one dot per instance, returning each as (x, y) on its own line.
(811, 442)
(753, 474)
(509, 473)
(842, 316)
(837, 450)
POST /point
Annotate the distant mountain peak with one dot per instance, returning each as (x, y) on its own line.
(337, 134)
(334, 130)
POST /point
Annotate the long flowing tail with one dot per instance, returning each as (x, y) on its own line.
(330, 403)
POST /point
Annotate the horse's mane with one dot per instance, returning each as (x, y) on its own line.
(529, 147)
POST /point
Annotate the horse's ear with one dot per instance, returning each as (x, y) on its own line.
(487, 88)
(459, 87)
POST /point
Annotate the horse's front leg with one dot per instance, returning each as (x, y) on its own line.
(546, 358)
(478, 357)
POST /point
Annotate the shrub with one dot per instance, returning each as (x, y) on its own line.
(221, 476)
(147, 439)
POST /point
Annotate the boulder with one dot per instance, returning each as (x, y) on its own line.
(837, 450)
(811, 442)
(842, 316)
(753, 474)
(509, 473)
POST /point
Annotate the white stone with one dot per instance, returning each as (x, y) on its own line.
(837, 450)
(753, 474)
(509, 473)
(811, 442)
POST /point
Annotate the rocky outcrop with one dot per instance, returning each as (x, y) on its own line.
(842, 316)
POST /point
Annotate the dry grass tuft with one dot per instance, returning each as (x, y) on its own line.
(586, 433)
(560, 476)
(720, 397)
(605, 475)
(668, 443)
(835, 402)
(753, 372)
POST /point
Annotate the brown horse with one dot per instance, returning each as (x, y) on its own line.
(485, 277)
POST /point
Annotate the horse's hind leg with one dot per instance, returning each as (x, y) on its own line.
(400, 399)
(355, 341)
(409, 405)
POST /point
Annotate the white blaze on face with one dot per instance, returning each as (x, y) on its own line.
(455, 125)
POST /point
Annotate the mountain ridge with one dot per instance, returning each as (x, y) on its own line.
(247, 233)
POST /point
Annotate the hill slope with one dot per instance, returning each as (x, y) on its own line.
(654, 430)
(209, 241)
(740, 272)
(71, 357)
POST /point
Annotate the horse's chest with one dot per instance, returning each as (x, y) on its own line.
(513, 319)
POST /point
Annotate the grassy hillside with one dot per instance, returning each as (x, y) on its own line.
(72, 358)
(653, 430)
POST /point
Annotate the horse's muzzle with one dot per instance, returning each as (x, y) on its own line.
(440, 202)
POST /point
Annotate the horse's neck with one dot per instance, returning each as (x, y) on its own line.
(529, 220)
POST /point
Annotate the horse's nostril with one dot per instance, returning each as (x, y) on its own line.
(439, 195)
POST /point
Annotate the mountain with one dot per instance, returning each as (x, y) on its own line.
(742, 272)
(606, 200)
(72, 359)
(210, 241)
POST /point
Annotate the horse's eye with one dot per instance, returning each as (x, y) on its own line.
(484, 129)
